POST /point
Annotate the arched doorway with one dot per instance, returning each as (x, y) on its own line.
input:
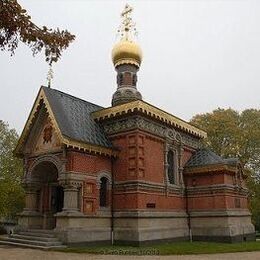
(50, 195)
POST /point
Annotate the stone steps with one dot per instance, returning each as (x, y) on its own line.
(40, 239)
(34, 234)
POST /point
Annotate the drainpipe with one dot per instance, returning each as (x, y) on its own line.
(112, 201)
(188, 213)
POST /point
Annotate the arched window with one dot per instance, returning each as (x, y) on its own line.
(134, 80)
(120, 79)
(171, 168)
(103, 192)
(128, 78)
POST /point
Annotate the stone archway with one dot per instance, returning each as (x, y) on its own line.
(50, 196)
(44, 195)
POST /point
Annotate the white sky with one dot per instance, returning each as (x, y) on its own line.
(198, 55)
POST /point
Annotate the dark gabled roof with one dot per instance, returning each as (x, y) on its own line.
(73, 116)
(204, 157)
(232, 161)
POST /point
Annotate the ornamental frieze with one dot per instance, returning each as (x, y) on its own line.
(137, 122)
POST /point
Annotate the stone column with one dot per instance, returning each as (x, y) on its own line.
(30, 217)
(71, 183)
(31, 197)
(71, 197)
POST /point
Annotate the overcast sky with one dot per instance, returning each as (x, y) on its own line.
(198, 55)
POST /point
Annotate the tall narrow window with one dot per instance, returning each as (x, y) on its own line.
(103, 192)
(171, 170)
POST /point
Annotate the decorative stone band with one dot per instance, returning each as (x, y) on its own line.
(138, 122)
(217, 188)
(149, 214)
(146, 186)
(213, 168)
(220, 213)
(150, 111)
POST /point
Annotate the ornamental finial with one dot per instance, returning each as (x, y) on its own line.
(49, 76)
(127, 29)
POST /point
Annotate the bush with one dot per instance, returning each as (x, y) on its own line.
(2, 230)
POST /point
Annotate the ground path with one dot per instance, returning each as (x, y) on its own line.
(14, 253)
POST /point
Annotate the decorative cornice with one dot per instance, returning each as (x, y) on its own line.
(138, 122)
(42, 99)
(214, 168)
(150, 111)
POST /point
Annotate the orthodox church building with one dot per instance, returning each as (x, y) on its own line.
(129, 174)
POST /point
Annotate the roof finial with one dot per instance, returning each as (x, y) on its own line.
(127, 28)
(49, 76)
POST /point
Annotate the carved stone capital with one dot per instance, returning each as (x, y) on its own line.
(31, 186)
(70, 184)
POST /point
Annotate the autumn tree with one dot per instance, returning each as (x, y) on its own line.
(11, 170)
(234, 134)
(16, 26)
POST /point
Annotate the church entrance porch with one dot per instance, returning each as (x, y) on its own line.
(44, 197)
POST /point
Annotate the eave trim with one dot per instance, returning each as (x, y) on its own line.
(151, 111)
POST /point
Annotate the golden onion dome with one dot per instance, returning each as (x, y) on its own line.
(126, 52)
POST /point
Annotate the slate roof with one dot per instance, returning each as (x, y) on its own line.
(73, 116)
(205, 156)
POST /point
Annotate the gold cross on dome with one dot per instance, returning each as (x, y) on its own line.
(127, 28)
(128, 9)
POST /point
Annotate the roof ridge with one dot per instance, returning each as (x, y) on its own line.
(70, 96)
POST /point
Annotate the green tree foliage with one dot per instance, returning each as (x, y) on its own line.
(11, 170)
(16, 25)
(234, 134)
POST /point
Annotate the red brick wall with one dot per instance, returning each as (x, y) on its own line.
(139, 200)
(209, 199)
(86, 163)
(89, 164)
(154, 159)
(141, 158)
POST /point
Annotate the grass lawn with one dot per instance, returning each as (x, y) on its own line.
(177, 248)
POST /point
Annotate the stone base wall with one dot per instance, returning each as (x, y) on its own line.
(30, 220)
(222, 226)
(144, 228)
(80, 230)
